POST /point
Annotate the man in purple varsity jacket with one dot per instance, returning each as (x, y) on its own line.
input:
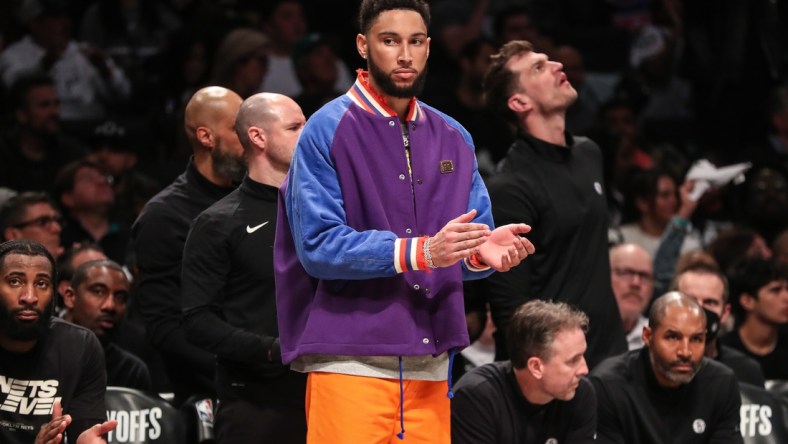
(382, 216)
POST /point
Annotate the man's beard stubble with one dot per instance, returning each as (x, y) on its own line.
(388, 87)
(228, 166)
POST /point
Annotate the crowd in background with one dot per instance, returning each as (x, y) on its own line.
(92, 99)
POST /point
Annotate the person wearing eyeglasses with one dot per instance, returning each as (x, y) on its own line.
(97, 299)
(32, 215)
(84, 191)
(632, 278)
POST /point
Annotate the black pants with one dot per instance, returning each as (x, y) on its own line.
(242, 422)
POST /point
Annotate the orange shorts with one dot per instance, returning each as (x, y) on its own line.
(346, 409)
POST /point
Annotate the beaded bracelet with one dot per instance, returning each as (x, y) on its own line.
(427, 255)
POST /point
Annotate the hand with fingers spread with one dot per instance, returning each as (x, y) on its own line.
(52, 432)
(94, 435)
(457, 240)
(505, 248)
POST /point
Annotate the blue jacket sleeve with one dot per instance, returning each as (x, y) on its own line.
(479, 200)
(326, 246)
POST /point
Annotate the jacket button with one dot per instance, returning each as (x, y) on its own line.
(416, 287)
(419, 181)
(426, 340)
(408, 230)
(401, 177)
(391, 123)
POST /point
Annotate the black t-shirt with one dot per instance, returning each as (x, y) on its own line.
(745, 368)
(489, 407)
(634, 409)
(68, 365)
(774, 364)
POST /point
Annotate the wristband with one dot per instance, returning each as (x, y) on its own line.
(681, 224)
(427, 255)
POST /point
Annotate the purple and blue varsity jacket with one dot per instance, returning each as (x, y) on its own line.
(352, 215)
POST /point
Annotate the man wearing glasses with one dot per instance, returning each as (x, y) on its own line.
(32, 215)
(84, 191)
(632, 278)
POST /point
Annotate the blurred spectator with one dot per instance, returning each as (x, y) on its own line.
(132, 32)
(32, 215)
(454, 25)
(465, 102)
(773, 150)
(654, 197)
(732, 56)
(671, 242)
(87, 81)
(96, 299)
(766, 201)
(84, 191)
(652, 84)
(189, 59)
(709, 287)
(516, 22)
(759, 296)
(35, 149)
(668, 391)
(692, 258)
(315, 62)
(285, 25)
(735, 243)
(115, 145)
(241, 62)
(582, 115)
(632, 277)
(72, 257)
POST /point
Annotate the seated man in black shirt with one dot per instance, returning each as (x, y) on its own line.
(96, 299)
(538, 396)
(45, 363)
(668, 391)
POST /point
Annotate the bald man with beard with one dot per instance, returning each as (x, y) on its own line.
(228, 294)
(668, 391)
(160, 231)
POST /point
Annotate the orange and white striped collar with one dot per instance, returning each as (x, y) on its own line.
(369, 100)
